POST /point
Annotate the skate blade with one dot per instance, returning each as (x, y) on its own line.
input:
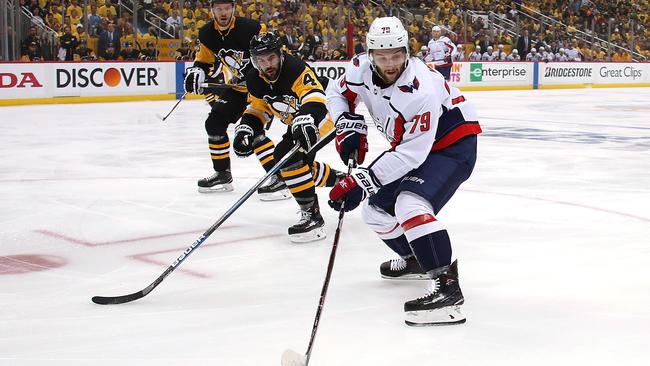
(292, 358)
(216, 189)
(448, 315)
(314, 235)
(409, 277)
(275, 196)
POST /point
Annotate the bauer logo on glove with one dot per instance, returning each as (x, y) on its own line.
(351, 131)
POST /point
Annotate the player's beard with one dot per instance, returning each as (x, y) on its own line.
(390, 75)
(271, 73)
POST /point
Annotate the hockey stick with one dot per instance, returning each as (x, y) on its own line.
(110, 300)
(174, 107)
(207, 85)
(291, 357)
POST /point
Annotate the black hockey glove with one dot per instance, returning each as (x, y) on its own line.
(194, 77)
(243, 141)
(304, 132)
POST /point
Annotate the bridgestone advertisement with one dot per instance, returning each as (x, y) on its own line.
(592, 73)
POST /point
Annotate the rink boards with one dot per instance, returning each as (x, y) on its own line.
(78, 82)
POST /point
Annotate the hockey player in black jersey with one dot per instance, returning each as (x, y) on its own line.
(284, 86)
(223, 49)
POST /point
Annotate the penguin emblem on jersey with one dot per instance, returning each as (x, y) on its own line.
(235, 61)
(284, 105)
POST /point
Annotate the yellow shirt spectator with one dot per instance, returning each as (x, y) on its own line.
(78, 8)
(167, 5)
(107, 11)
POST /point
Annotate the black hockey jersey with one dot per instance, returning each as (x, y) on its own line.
(296, 92)
(229, 48)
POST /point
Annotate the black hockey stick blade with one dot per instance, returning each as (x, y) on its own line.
(113, 300)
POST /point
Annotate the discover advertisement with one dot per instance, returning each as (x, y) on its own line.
(85, 79)
(81, 79)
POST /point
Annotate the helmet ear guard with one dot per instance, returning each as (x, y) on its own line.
(387, 33)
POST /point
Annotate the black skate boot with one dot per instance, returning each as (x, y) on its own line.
(217, 182)
(402, 269)
(442, 304)
(310, 227)
(274, 190)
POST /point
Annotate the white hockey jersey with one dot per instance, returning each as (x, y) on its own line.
(417, 114)
(440, 51)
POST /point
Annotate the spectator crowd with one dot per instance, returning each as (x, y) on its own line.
(317, 30)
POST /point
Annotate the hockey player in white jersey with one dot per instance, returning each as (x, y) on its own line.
(476, 54)
(441, 50)
(459, 55)
(501, 54)
(432, 132)
(532, 55)
(514, 56)
(489, 55)
(561, 56)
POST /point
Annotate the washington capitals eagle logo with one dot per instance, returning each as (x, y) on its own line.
(415, 85)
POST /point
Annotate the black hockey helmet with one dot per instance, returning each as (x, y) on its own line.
(264, 43)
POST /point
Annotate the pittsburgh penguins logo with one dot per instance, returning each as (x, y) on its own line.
(283, 105)
(235, 61)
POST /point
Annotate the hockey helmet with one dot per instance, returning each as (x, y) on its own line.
(263, 43)
(387, 33)
(233, 2)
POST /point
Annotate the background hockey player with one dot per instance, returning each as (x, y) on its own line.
(224, 42)
(459, 55)
(514, 56)
(441, 49)
(432, 131)
(489, 55)
(476, 54)
(284, 86)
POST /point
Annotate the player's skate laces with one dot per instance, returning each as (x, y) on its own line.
(402, 269)
(309, 226)
(397, 264)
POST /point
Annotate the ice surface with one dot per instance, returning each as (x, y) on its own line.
(551, 231)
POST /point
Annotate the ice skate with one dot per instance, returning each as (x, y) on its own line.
(274, 190)
(310, 227)
(217, 182)
(402, 269)
(442, 303)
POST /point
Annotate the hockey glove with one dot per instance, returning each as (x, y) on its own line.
(242, 143)
(353, 189)
(194, 77)
(304, 132)
(351, 132)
